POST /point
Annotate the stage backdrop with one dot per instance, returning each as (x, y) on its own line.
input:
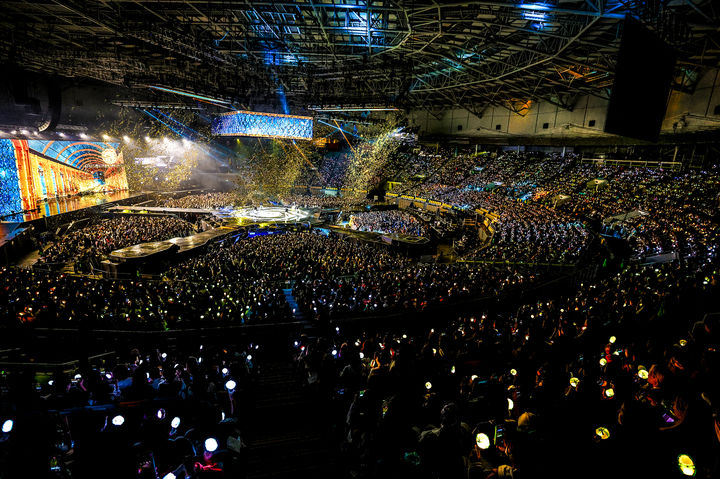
(35, 170)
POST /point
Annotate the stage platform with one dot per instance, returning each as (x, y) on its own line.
(9, 231)
(180, 245)
(166, 210)
(237, 216)
(59, 206)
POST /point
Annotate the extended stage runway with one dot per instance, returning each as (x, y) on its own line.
(237, 216)
(234, 218)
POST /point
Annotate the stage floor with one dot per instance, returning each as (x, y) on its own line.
(57, 206)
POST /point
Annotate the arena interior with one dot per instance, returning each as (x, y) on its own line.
(359, 239)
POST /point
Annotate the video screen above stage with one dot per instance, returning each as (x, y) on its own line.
(263, 125)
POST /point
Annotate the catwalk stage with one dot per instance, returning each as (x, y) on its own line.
(243, 216)
(234, 219)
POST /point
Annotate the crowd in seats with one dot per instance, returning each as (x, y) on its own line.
(617, 375)
(143, 413)
(333, 169)
(608, 374)
(389, 221)
(243, 282)
(535, 234)
(47, 299)
(204, 201)
(680, 206)
(352, 277)
(324, 201)
(92, 242)
(678, 209)
(333, 275)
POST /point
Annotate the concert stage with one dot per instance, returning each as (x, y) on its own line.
(274, 215)
(242, 216)
(235, 218)
(58, 206)
(165, 210)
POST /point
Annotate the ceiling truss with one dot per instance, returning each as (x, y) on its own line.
(414, 54)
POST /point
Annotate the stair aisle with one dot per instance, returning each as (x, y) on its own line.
(297, 314)
(289, 437)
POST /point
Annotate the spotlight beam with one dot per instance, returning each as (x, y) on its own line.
(340, 129)
(158, 119)
(190, 94)
(346, 138)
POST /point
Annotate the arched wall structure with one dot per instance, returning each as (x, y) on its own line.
(34, 170)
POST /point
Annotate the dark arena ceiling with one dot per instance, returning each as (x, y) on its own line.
(412, 54)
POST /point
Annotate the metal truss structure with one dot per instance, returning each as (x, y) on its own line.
(263, 125)
(410, 53)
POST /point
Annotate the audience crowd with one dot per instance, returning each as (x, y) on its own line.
(614, 378)
(322, 201)
(389, 221)
(204, 201)
(146, 413)
(608, 372)
(245, 282)
(89, 244)
(678, 209)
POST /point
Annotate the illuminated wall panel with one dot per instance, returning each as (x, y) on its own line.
(264, 125)
(79, 154)
(115, 178)
(28, 176)
(10, 194)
